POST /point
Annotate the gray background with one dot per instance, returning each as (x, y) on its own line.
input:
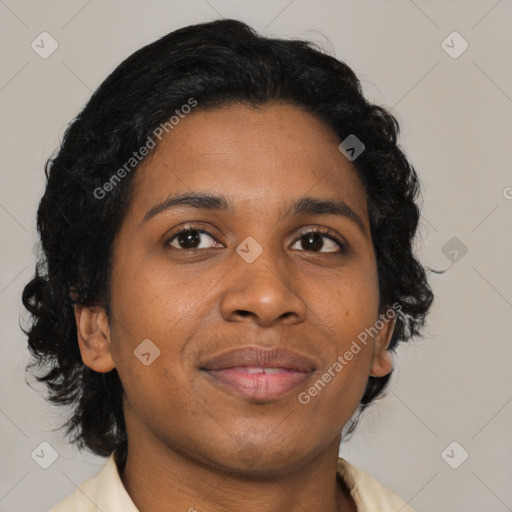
(455, 114)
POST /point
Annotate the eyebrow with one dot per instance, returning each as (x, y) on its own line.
(306, 205)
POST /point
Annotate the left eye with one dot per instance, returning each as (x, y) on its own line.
(315, 241)
(190, 239)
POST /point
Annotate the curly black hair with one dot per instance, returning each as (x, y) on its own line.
(215, 63)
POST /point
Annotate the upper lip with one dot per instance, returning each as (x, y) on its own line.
(277, 357)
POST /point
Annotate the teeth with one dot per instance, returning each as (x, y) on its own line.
(273, 370)
(258, 370)
(252, 370)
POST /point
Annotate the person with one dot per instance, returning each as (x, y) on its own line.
(227, 268)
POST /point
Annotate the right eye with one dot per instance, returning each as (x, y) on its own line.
(191, 239)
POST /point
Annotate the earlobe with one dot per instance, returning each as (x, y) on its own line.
(382, 359)
(93, 334)
(382, 365)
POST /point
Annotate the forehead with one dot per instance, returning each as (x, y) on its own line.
(259, 157)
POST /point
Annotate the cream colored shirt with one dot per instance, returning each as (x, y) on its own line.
(106, 493)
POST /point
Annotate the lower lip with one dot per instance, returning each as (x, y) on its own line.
(260, 386)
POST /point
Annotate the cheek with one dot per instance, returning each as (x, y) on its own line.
(346, 309)
(347, 303)
(151, 299)
(156, 310)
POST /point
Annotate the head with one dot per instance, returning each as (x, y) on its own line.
(251, 127)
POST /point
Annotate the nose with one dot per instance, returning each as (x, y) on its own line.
(262, 293)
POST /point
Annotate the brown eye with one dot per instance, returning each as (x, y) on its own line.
(191, 239)
(317, 241)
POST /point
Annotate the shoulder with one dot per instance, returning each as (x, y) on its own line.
(368, 493)
(105, 491)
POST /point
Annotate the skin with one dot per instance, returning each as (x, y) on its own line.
(192, 444)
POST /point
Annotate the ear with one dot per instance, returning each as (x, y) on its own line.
(94, 338)
(382, 361)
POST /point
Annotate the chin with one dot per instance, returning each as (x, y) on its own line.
(260, 459)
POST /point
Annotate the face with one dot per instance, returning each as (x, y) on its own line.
(256, 267)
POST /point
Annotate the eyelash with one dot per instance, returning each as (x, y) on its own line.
(326, 232)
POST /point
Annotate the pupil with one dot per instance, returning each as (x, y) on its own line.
(189, 238)
(314, 240)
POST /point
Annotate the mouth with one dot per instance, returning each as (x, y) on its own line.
(259, 374)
